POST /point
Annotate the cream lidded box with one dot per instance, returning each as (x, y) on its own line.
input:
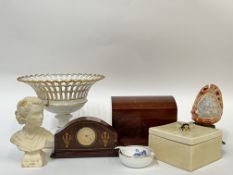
(190, 149)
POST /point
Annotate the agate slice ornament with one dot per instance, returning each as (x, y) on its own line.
(208, 106)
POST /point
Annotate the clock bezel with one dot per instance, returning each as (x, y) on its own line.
(77, 139)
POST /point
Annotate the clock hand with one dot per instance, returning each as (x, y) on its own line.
(89, 135)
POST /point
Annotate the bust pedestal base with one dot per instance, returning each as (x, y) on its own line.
(33, 159)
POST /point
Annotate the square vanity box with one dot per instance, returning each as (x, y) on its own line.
(132, 116)
(187, 149)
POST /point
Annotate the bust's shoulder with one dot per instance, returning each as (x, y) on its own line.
(45, 132)
(17, 137)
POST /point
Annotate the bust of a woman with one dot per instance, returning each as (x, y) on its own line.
(32, 138)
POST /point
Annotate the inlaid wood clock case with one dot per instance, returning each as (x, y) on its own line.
(85, 137)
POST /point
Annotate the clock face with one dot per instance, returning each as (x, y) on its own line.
(86, 136)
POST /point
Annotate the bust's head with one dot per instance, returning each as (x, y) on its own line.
(30, 111)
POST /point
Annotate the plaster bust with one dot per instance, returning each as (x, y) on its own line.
(32, 138)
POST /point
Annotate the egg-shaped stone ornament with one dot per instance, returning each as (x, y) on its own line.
(208, 106)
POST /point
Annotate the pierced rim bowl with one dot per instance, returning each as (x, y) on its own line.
(74, 77)
(61, 87)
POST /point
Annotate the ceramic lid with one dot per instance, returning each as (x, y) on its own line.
(195, 135)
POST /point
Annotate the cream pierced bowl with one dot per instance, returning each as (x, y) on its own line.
(62, 94)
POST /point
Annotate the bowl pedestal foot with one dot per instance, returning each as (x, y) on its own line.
(63, 119)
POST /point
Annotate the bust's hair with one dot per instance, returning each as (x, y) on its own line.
(24, 106)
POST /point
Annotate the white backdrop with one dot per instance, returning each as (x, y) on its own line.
(143, 47)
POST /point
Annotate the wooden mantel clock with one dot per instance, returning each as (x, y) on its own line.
(85, 137)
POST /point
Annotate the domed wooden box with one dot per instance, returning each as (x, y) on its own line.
(132, 116)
